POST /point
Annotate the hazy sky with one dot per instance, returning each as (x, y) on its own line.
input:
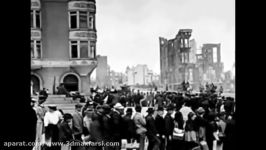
(128, 30)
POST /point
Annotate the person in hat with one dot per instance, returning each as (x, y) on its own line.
(140, 123)
(130, 125)
(117, 123)
(154, 141)
(51, 119)
(200, 124)
(66, 133)
(78, 122)
(160, 126)
(106, 123)
(211, 131)
(190, 131)
(88, 111)
(169, 125)
(96, 133)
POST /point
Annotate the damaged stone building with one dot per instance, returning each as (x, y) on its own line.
(209, 64)
(180, 62)
(176, 62)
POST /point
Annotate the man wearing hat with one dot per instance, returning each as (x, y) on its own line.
(152, 132)
(169, 125)
(130, 125)
(200, 124)
(78, 122)
(117, 123)
(65, 131)
(106, 120)
(160, 126)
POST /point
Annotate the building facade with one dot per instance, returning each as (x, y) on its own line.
(177, 62)
(180, 61)
(209, 63)
(63, 44)
(140, 75)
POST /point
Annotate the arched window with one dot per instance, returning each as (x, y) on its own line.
(36, 83)
(71, 83)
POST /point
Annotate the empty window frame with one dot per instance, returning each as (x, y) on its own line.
(214, 56)
(36, 49)
(35, 19)
(79, 19)
(82, 49)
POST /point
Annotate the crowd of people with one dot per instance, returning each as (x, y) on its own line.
(172, 121)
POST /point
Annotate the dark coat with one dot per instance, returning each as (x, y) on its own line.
(179, 119)
(210, 129)
(65, 132)
(107, 128)
(150, 125)
(230, 135)
(117, 125)
(130, 126)
(160, 126)
(169, 125)
(96, 129)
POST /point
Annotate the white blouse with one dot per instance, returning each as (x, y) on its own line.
(52, 118)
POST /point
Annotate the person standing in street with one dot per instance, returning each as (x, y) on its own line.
(140, 123)
(33, 111)
(66, 131)
(40, 112)
(78, 122)
(169, 126)
(130, 125)
(152, 132)
(160, 126)
(51, 120)
(117, 124)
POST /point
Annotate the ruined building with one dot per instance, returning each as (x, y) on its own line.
(176, 62)
(180, 62)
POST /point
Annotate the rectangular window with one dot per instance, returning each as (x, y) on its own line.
(214, 52)
(38, 49)
(38, 19)
(32, 19)
(182, 57)
(74, 49)
(84, 49)
(190, 75)
(35, 49)
(186, 42)
(32, 48)
(181, 43)
(83, 22)
(92, 49)
(91, 22)
(35, 19)
(73, 20)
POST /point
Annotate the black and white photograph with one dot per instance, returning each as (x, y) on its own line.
(132, 75)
